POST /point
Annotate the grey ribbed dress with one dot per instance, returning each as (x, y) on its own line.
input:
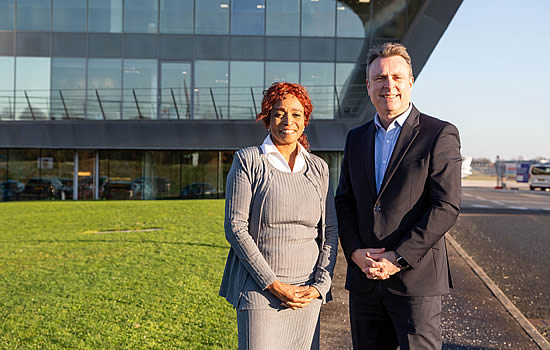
(291, 213)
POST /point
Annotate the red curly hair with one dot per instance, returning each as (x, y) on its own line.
(276, 93)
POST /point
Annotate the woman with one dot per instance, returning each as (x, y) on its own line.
(281, 224)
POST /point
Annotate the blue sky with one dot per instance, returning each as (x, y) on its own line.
(490, 76)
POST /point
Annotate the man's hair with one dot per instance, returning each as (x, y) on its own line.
(388, 49)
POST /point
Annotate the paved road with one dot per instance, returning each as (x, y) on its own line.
(508, 234)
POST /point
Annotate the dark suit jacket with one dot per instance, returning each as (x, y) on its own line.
(418, 202)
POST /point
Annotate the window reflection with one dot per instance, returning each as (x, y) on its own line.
(22, 167)
(247, 81)
(283, 17)
(120, 172)
(212, 16)
(33, 15)
(162, 175)
(175, 102)
(210, 93)
(7, 101)
(56, 170)
(69, 15)
(141, 16)
(247, 17)
(281, 72)
(350, 94)
(200, 175)
(105, 16)
(6, 14)
(176, 16)
(348, 19)
(390, 18)
(318, 17)
(32, 87)
(68, 94)
(140, 89)
(318, 78)
(104, 88)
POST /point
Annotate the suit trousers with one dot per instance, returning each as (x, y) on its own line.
(381, 320)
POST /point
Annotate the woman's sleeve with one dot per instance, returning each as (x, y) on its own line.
(327, 256)
(238, 204)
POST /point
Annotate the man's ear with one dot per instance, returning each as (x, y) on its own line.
(368, 86)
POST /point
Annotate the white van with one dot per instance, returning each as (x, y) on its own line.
(539, 177)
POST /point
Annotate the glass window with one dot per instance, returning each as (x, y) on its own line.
(22, 170)
(33, 15)
(141, 16)
(283, 17)
(56, 169)
(32, 87)
(105, 16)
(318, 17)
(104, 88)
(318, 78)
(247, 17)
(175, 98)
(68, 94)
(212, 16)
(390, 18)
(176, 16)
(69, 15)
(200, 175)
(350, 93)
(140, 89)
(210, 93)
(7, 102)
(161, 179)
(120, 173)
(247, 85)
(280, 72)
(349, 23)
(6, 14)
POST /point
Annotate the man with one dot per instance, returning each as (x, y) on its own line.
(399, 193)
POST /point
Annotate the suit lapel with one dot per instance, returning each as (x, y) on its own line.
(368, 148)
(408, 133)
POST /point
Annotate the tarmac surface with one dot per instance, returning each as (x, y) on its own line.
(473, 318)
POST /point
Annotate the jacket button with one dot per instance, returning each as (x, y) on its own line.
(377, 209)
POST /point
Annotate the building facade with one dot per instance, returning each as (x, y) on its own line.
(149, 99)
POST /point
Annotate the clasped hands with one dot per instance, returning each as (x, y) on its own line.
(376, 264)
(291, 296)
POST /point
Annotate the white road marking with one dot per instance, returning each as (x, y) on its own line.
(480, 198)
(480, 206)
(497, 202)
(518, 208)
(467, 194)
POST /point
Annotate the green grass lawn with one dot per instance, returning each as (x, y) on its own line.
(67, 282)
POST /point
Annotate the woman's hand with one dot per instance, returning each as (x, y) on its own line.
(292, 296)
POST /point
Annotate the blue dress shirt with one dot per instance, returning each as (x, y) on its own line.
(384, 144)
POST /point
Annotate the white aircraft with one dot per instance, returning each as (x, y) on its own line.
(466, 167)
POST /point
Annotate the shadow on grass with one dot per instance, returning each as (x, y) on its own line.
(209, 245)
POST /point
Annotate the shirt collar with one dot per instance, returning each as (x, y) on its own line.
(399, 121)
(269, 147)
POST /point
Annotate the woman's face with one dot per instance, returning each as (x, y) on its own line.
(287, 121)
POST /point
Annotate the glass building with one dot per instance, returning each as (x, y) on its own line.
(149, 99)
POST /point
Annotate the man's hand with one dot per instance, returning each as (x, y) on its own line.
(386, 262)
(370, 267)
(292, 296)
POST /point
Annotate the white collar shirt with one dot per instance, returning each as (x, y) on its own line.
(276, 159)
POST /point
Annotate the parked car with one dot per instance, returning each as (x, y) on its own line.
(118, 189)
(198, 190)
(539, 177)
(44, 188)
(11, 190)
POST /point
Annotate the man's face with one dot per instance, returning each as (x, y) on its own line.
(389, 86)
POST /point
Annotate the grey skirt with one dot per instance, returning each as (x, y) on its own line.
(279, 329)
